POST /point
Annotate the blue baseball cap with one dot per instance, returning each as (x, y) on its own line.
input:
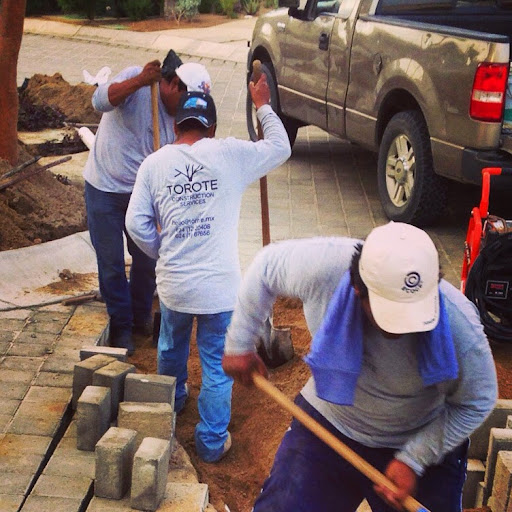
(196, 105)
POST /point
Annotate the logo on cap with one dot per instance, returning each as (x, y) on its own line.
(412, 282)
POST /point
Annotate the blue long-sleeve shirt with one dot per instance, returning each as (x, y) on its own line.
(125, 136)
(392, 408)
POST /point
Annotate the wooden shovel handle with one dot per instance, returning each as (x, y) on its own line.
(265, 215)
(154, 115)
(342, 449)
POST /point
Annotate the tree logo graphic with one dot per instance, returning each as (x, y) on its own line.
(190, 171)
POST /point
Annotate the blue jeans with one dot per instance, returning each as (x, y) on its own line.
(214, 402)
(127, 301)
(308, 475)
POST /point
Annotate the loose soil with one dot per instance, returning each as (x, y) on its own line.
(42, 208)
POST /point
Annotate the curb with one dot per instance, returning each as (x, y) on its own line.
(161, 40)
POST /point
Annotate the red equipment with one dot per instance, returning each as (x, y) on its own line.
(486, 277)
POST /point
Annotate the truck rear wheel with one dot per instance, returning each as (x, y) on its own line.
(409, 189)
(291, 126)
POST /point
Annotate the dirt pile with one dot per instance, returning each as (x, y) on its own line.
(43, 208)
(59, 100)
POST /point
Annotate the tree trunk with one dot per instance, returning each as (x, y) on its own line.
(12, 14)
(168, 8)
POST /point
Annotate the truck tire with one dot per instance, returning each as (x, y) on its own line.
(409, 189)
(291, 126)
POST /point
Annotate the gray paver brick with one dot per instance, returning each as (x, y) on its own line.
(62, 486)
(10, 503)
(51, 504)
(38, 418)
(15, 483)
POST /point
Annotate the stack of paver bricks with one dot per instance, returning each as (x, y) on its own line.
(128, 421)
(41, 467)
(489, 480)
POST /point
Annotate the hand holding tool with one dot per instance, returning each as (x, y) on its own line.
(342, 449)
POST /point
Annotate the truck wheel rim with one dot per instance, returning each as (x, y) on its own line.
(400, 169)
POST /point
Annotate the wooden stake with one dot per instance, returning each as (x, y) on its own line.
(154, 113)
(265, 221)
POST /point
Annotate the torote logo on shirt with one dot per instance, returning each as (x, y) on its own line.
(191, 186)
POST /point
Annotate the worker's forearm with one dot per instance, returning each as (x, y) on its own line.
(118, 92)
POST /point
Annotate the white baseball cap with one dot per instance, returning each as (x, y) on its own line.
(400, 266)
(195, 77)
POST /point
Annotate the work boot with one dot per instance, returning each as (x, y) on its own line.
(123, 339)
(144, 327)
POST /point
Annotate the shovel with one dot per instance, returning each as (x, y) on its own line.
(276, 347)
(340, 448)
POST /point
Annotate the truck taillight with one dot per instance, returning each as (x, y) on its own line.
(488, 94)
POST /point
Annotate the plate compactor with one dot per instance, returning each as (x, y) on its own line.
(487, 266)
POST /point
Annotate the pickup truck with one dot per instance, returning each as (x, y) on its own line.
(422, 83)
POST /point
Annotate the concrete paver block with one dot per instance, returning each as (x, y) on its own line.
(84, 371)
(121, 354)
(480, 437)
(58, 486)
(15, 483)
(10, 502)
(38, 418)
(475, 475)
(182, 497)
(148, 419)
(500, 439)
(502, 482)
(481, 495)
(140, 387)
(113, 376)
(52, 504)
(92, 416)
(114, 461)
(149, 476)
(78, 464)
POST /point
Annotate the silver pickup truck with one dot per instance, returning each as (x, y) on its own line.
(423, 83)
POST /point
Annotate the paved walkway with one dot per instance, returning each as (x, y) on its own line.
(328, 187)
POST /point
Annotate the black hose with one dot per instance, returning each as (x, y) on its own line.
(489, 287)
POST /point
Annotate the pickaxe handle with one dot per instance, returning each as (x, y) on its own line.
(154, 114)
(265, 218)
(342, 449)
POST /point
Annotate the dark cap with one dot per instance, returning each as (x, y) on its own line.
(171, 63)
(196, 105)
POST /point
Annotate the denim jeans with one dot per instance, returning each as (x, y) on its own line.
(308, 476)
(127, 301)
(214, 402)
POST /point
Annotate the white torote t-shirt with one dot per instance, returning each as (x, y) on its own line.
(194, 193)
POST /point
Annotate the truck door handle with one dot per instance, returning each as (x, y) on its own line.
(281, 26)
(323, 42)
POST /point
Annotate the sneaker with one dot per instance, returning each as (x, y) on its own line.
(179, 406)
(144, 328)
(227, 447)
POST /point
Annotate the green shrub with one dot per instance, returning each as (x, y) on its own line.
(271, 4)
(210, 7)
(89, 8)
(251, 6)
(187, 9)
(228, 8)
(137, 9)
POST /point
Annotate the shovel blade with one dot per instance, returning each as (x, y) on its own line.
(277, 347)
